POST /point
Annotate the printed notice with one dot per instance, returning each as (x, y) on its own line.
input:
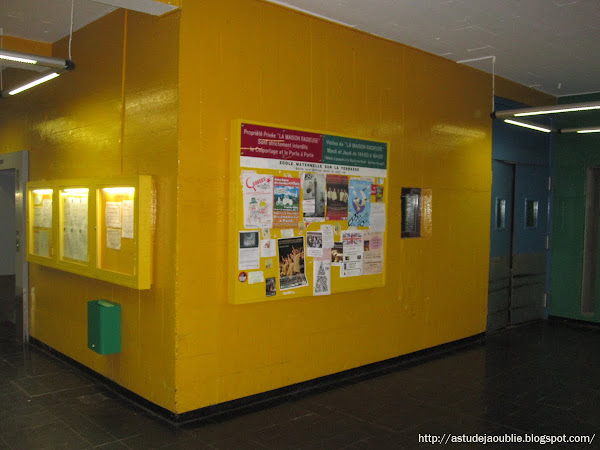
(128, 218)
(322, 277)
(313, 197)
(377, 217)
(327, 231)
(337, 254)
(41, 243)
(249, 250)
(256, 277)
(113, 215)
(258, 200)
(353, 253)
(373, 253)
(314, 244)
(113, 238)
(337, 197)
(268, 248)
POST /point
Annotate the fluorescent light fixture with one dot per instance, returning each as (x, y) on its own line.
(71, 191)
(33, 83)
(24, 61)
(120, 190)
(18, 59)
(42, 191)
(557, 111)
(589, 130)
(528, 125)
(553, 109)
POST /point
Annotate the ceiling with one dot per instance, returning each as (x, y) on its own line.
(550, 45)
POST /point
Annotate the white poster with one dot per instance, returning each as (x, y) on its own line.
(352, 241)
(256, 277)
(113, 238)
(41, 243)
(249, 250)
(322, 277)
(128, 218)
(328, 240)
(373, 253)
(258, 200)
(113, 214)
(377, 217)
(268, 248)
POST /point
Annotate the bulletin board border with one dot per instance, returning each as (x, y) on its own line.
(236, 217)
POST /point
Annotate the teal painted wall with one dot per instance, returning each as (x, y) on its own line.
(573, 154)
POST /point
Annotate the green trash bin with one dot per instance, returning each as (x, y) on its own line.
(104, 327)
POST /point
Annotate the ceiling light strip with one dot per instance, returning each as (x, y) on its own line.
(554, 109)
(28, 58)
(528, 125)
(33, 83)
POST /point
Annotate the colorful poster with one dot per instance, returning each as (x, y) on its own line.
(359, 204)
(271, 288)
(373, 253)
(258, 200)
(337, 254)
(337, 197)
(286, 205)
(314, 244)
(249, 250)
(313, 197)
(322, 277)
(352, 241)
(291, 263)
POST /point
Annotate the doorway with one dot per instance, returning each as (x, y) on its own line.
(518, 244)
(14, 273)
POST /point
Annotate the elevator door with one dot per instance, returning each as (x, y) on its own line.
(7, 246)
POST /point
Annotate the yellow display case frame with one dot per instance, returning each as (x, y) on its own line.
(243, 292)
(140, 276)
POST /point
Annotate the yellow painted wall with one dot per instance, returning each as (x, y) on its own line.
(115, 114)
(28, 46)
(261, 62)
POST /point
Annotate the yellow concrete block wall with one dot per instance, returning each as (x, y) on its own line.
(248, 59)
(115, 114)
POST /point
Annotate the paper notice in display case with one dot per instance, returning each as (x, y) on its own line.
(113, 238)
(113, 214)
(353, 253)
(41, 243)
(128, 219)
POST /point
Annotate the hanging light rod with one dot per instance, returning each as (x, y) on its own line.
(532, 126)
(39, 60)
(554, 109)
(56, 67)
(580, 130)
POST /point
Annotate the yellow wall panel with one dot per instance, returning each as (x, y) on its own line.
(115, 114)
(285, 67)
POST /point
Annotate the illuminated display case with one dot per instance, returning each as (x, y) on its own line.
(40, 230)
(96, 228)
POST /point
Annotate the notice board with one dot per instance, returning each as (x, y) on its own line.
(307, 213)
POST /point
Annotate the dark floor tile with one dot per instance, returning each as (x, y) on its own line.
(52, 435)
(116, 445)
(157, 435)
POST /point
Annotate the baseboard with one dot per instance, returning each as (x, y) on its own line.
(281, 395)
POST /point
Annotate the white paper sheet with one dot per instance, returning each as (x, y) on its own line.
(128, 219)
(249, 250)
(322, 277)
(256, 277)
(268, 248)
(314, 244)
(113, 238)
(42, 243)
(377, 217)
(113, 215)
(328, 240)
(373, 253)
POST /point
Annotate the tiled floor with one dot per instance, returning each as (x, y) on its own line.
(542, 378)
